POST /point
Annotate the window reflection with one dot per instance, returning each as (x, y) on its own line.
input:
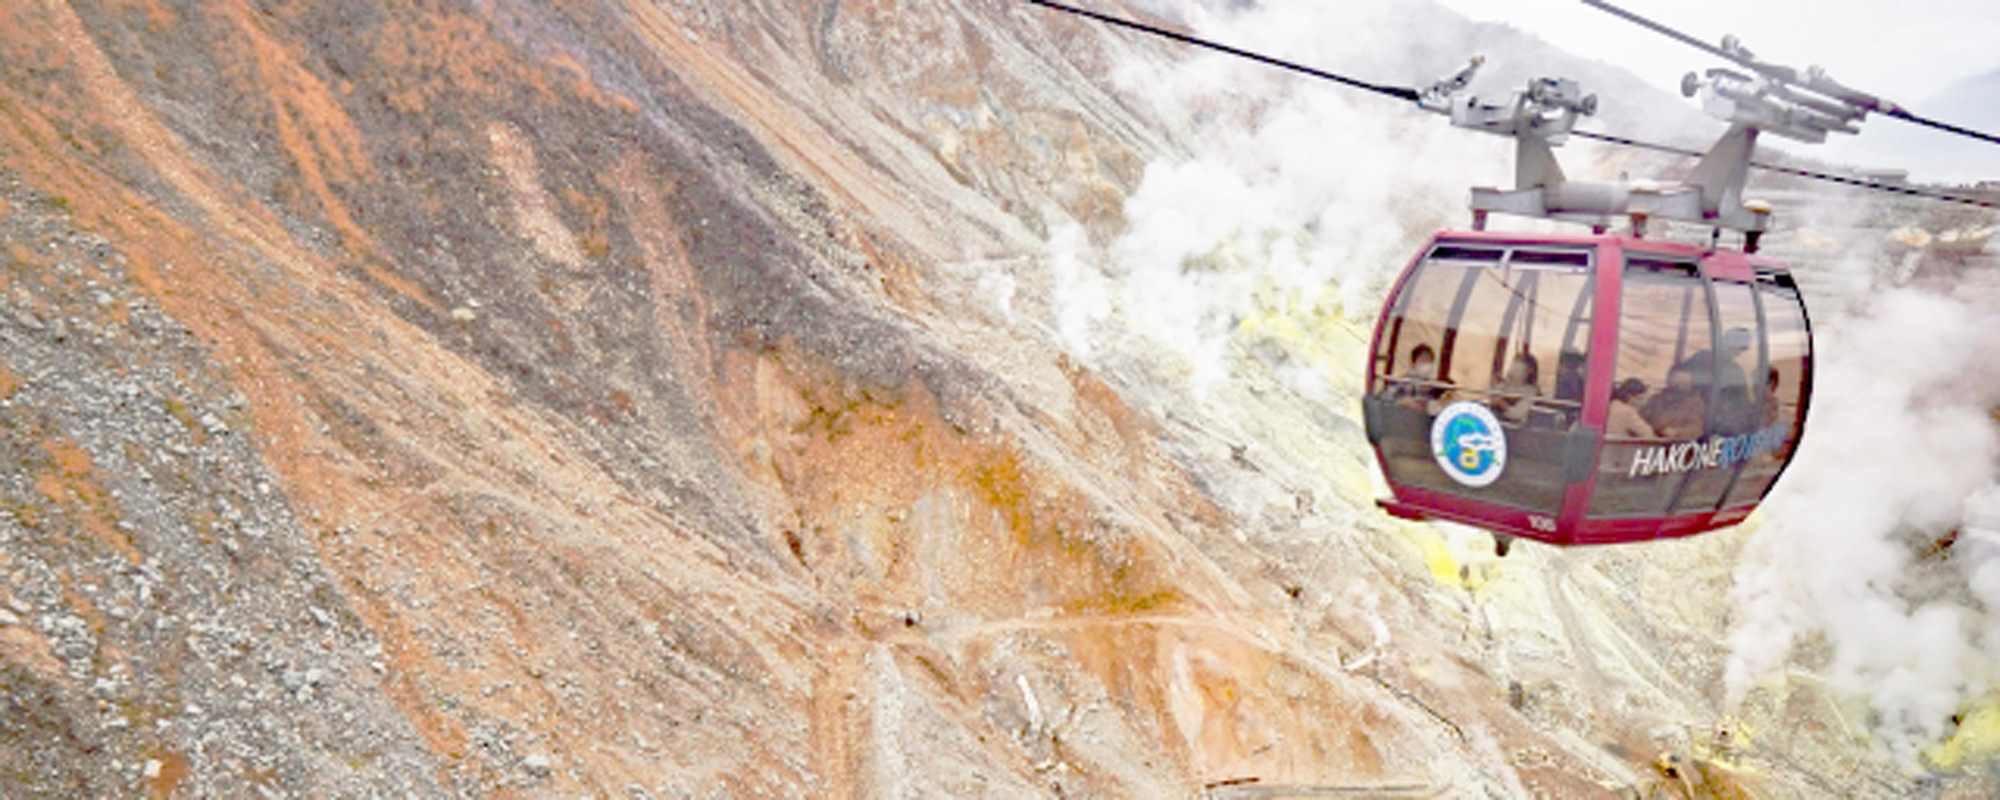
(1700, 420)
(1505, 328)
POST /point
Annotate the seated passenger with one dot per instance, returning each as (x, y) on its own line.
(1569, 376)
(1514, 396)
(1625, 421)
(1771, 409)
(1419, 387)
(1735, 411)
(1678, 411)
(1570, 385)
(1719, 365)
(1773, 416)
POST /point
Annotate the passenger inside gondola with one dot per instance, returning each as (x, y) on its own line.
(1570, 385)
(1771, 413)
(1678, 411)
(1514, 395)
(1419, 388)
(1735, 411)
(1728, 374)
(1625, 421)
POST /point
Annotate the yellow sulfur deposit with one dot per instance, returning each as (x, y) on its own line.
(1977, 740)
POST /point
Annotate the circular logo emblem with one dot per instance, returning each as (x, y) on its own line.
(1469, 444)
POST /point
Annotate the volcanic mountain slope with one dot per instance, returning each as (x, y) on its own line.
(608, 399)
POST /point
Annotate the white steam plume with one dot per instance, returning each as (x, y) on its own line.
(1299, 194)
(1899, 450)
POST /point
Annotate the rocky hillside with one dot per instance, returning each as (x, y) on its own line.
(659, 399)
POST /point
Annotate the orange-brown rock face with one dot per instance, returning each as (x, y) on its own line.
(524, 399)
(399, 397)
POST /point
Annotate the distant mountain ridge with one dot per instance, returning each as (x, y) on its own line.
(1932, 155)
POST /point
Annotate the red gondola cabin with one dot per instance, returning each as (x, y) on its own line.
(1586, 389)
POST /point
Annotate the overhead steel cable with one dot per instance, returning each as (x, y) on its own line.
(1398, 92)
(1412, 95)
(1661, 29)
(1812, 80)
(1943, 126)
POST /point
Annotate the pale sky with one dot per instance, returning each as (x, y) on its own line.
(1905, 51)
